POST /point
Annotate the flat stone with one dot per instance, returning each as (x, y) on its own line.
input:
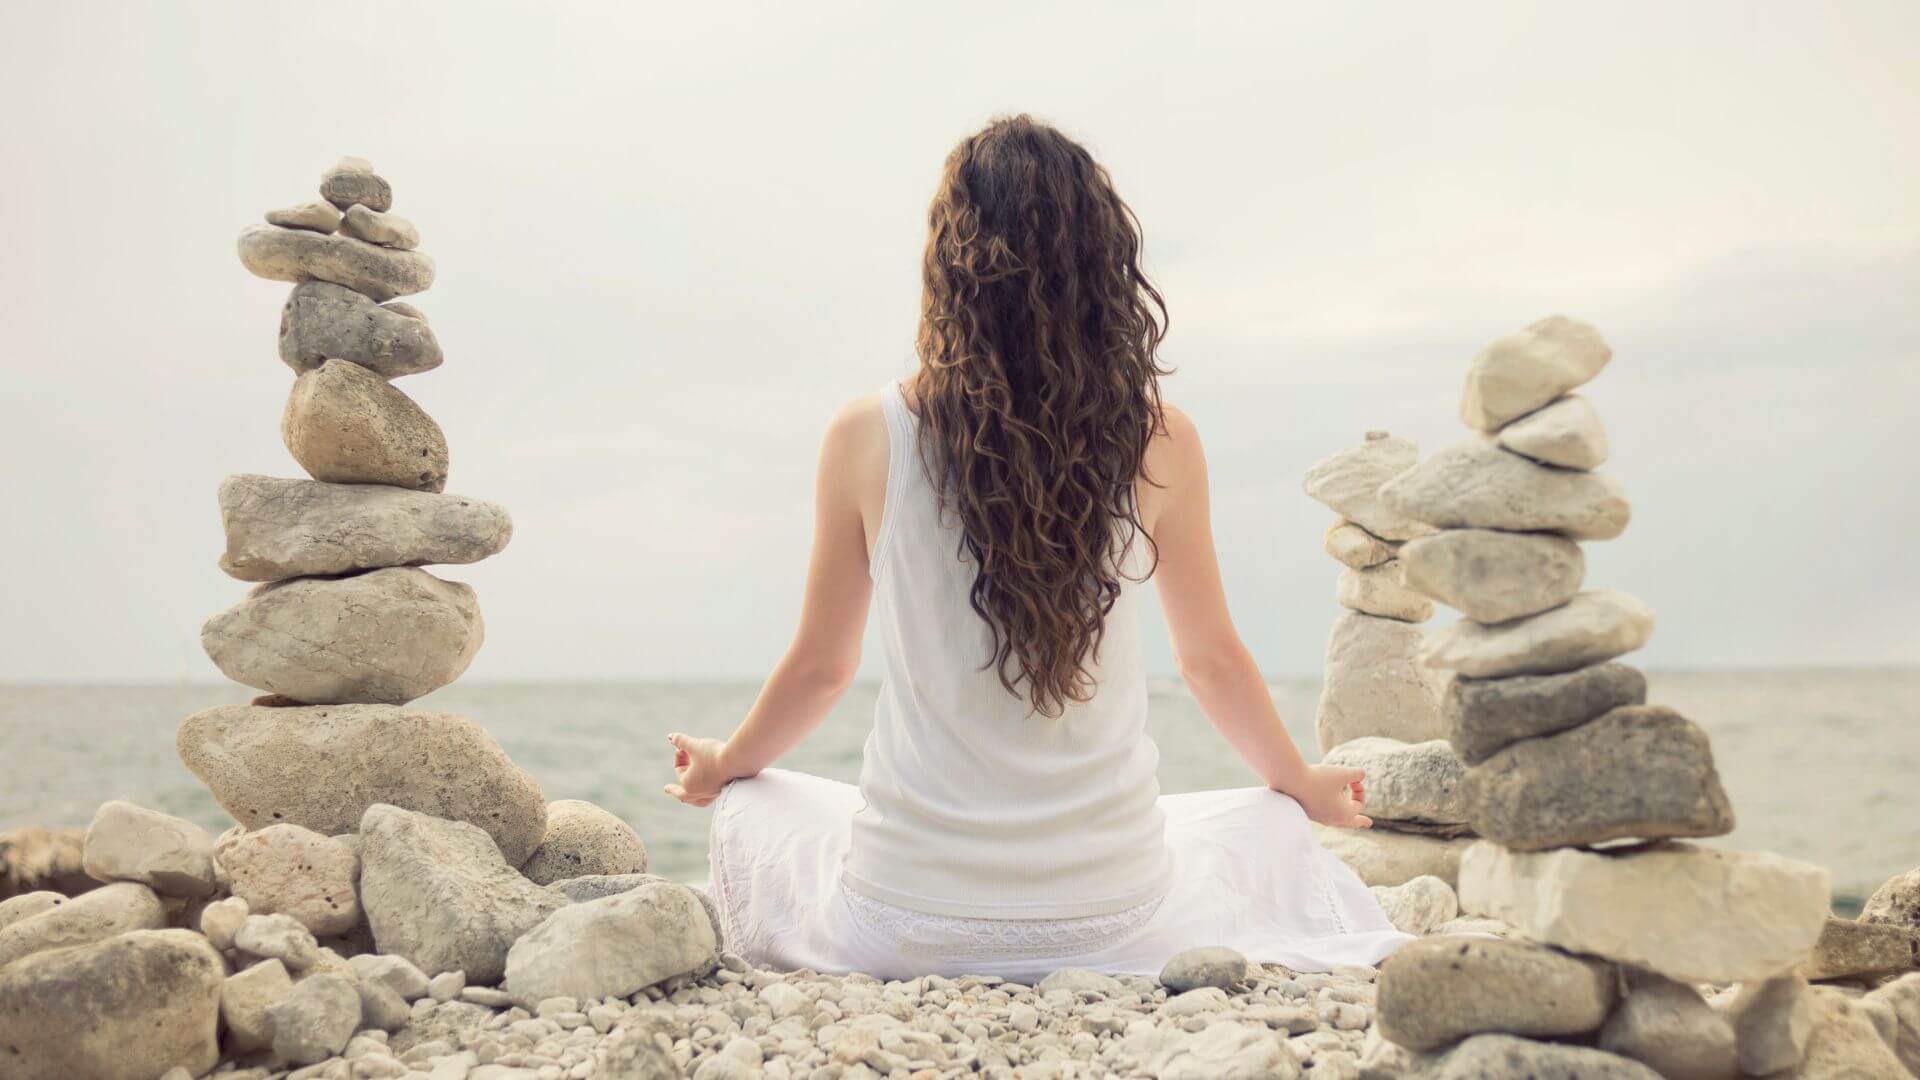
(1484, 716)
(1902, 996)
(1566, 433)
(1526, 369)
(315, 1019)
(27, 905)
(1375, 684)
(1206, 965)
(1355, 546)
(1845, 1043)
(106, 912)
(1349, 483)
(396, 973)
(438, 893)
(1862, 950)
(1669, 1028)
(1419, 906)
(1382, 857)
(1640, 771)
(1491, 576)
(594, 886)
(612, 947)
(1378, 590)
(278, 254)
(1690, 913)
(1896, 902)
(320, 217)
(295, 871)
(1486, 1056)
(352, 181)
(1592, 628)
(1437, 991)
(584, 839)
(127, 1008)
(1476, 485)
(1406, 781)
(382, 637)
(1473, 924)
(131, 843)
(347, 425)
(386, 230)
(278, 937)
(1226, 1050)
(321, 767)
(244, 1000)
(1076, 981)
(323, 321)
(1772, 1019)
(278, 529)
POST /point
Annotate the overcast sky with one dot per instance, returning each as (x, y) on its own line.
(671, 238)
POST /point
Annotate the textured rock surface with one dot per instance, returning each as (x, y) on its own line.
(27, 905)
(131, 843)
(323, 321)
(382, 637)
(278, 937)
(396, 973)
(315, 1019)
(244, 1000)
(1484, 1057)
(1566, 433)
(612, 947)
(1668, 1027)
(106, 912)
(1355, 546)
(1438, 990)
(222, 919)
(1419, 906)
(1476, 485)
(1686, 912)
(1528, 368)
(438, 893)
(1378, 590)
(321, 217)
(295, 871)
(1640, 771)
(375, 227)
(1862, 950)
(594, 886)
(1592, 628)
(1771, 1020)
(321, 767)
(1484, 715)
(1902, 995)
(300, 528)
(1207, 965)
(1375, 684)
(345, 424)
(298, 255)
(128, 1008)
(1494, 576)
(1349, 483)
(1382, 857)
(1407, 781)
(1896, 902)
(1224, 1051)
(352, 180)
(1844, 1044)
(583, 839)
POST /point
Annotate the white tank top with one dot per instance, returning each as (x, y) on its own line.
(975, 806)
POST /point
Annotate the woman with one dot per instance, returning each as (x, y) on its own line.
(1000, 508)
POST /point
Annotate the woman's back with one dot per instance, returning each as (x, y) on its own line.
(976, 805)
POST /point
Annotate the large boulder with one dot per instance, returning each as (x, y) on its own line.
(279, 254)
(594, 886)
(1438, 990)
(1686, 912)
(1382, 857)
(1592, 628)
(382, 637)
(1374, 683)
(1349, 483)
(1862, 950)
(1526, 369)
(1379, 590)
(302, 528)
(128, 1008)
(1476, 485)
(1668, 1027)
(612, 947)
(1494, 576)
(321, 768)
(1484, 716)
(106, 912)
(1407, 781)
(584, 839)
(1484, 1057)
(1640, 771)
(345, 424)
(323, 321)
(131, 843)
(438, 893)
(292, 870)
(1566, 433)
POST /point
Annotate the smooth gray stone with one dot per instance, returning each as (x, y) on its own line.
(1474, 484)
(1485, 715)
(127, 1008)
(1435, 991)
(352, 181)
(1206, 965)
(344, 424)
(1407, 781)
(1592, 628)
(1669, 1028)
(1491, 576)
(278, 528)
(1526, 369)
(323, 321)
(279, 254)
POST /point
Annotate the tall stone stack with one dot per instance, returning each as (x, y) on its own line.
(1584, 793)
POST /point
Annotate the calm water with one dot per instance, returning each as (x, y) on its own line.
(1821, 765)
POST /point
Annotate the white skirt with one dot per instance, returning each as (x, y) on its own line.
(1247, 874)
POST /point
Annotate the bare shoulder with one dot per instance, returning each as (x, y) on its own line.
(857, 426)
(1175, 449)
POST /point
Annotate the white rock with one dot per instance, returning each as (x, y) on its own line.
(1407, 781)
(296, 871)
(374, 227)
(280, 937)
(1418, 906)
(1375, 684)
(1476, 485)
(1592, 628)
(1902, 996)
(584, 839)
(1349, 483)
(1494, 576)
(1690, 913)
(1355, 546)
(27, 905)
(168, 855)
(612, 947)
(222, 919)
(315, 1019)
(1225, 1051)
(447, 985)
(1524, 370)
(299, 528)
(380, 1008)
(1382, 857)
(320, 217)
(279, 254)
(396, 973)
(1379, 590)
(106, 912)
(244, 1000)
(1566, 433)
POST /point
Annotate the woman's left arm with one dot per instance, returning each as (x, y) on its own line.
(821, 661)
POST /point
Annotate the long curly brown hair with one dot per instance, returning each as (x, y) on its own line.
(1039, 393)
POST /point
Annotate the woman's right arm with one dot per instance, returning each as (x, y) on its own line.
(1216, 665)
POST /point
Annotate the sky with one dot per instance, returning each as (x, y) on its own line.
(672, 239)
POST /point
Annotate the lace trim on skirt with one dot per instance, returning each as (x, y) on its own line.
(947, 937)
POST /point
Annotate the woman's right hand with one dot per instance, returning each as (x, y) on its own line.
(1335, 795)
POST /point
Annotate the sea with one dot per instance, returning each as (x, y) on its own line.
(1821, 765)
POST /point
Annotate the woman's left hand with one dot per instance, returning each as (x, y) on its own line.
(696, 765)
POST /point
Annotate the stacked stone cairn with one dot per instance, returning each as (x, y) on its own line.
(1380, 705)
(1586, 795)
(391, 865)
